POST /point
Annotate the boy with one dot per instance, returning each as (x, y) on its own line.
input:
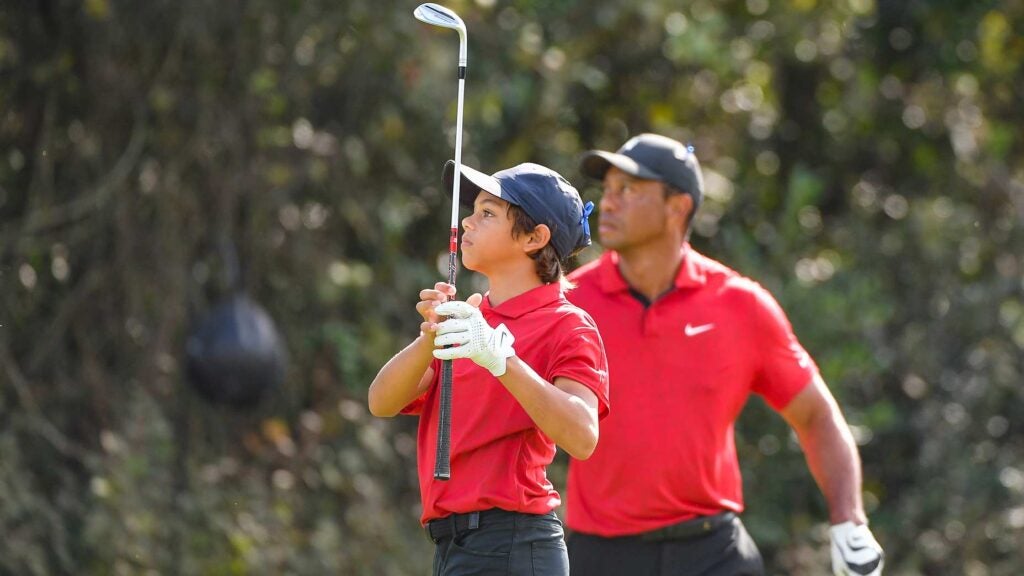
(538, 378)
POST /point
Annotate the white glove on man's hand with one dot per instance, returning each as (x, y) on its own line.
(855, 552)
(475, 339)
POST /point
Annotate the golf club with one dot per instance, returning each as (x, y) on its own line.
(437, 15)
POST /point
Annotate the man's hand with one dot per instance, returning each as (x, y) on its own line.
(475, 339)
(855, 552)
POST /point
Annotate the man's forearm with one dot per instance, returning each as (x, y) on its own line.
(835, 464)
(829, 449)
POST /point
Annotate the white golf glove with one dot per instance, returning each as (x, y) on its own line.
(855, 552)
(473, 337)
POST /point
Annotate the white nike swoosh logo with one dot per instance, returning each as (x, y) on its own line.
(694, 330)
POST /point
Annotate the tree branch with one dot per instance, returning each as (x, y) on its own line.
(37, 420)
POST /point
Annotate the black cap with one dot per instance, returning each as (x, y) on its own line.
(541, 192)
(652, 157)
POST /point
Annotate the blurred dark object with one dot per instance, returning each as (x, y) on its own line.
(235, 354)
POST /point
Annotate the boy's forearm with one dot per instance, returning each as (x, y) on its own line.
(400, 381)
(565, 418)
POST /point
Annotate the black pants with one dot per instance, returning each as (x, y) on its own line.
(499, 543)
(725, 551)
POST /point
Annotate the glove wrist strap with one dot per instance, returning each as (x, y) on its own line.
(500, 344)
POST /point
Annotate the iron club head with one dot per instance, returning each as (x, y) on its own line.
(437, 15)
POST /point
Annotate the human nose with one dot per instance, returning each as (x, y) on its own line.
(607, 202)
(467, 222)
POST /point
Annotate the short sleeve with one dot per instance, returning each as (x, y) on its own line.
(580, 356)
(785, 367)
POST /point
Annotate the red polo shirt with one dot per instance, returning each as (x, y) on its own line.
(498, 455)
(681, 370)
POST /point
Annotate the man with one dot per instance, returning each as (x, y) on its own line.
(687, 341)
(531, 373)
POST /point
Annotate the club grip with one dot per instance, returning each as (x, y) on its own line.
(442, 461)
(443, 452)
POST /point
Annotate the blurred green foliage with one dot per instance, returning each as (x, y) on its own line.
(863, 158)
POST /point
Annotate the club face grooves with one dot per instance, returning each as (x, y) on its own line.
(441, 16)
(438, 16)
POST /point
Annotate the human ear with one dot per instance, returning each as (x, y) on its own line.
(537, 239)
(680, 206)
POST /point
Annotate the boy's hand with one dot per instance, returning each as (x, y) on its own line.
(476, 340)
(429, 301)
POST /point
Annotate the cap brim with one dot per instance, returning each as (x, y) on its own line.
(596, 163)
(471, 182)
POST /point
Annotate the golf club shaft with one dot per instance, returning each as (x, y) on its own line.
(442, 461)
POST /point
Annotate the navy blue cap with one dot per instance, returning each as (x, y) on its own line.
(651, 157)
(542, 193)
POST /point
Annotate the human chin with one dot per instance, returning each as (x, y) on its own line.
(609, 238)
(469, 260)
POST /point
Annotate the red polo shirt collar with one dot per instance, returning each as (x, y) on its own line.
(525, 302)
(691, 274)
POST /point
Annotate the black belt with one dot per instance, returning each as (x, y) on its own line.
(457, 523)
(696, 527)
